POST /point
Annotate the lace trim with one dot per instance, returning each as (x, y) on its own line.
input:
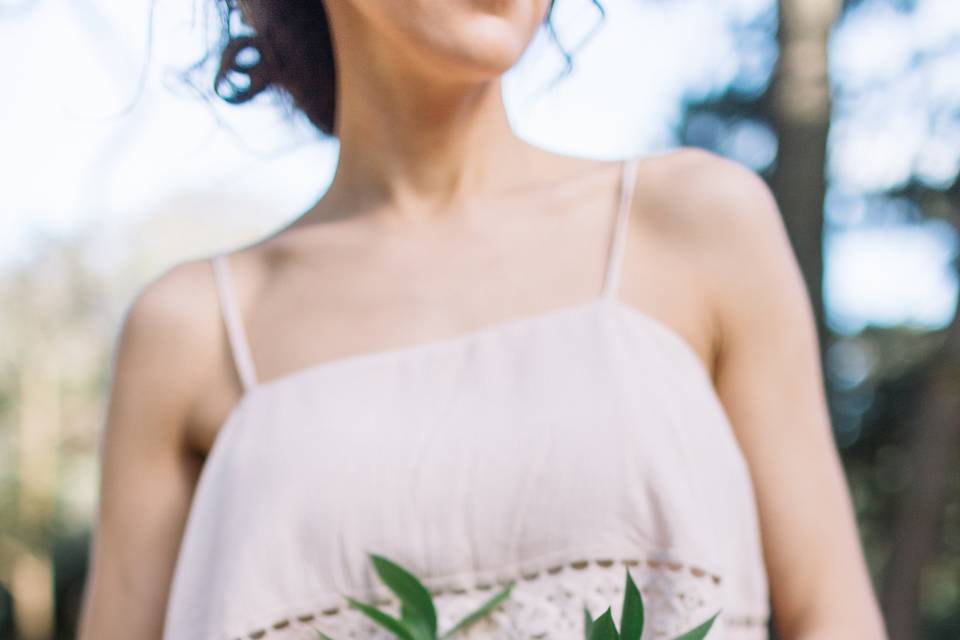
(680, 595)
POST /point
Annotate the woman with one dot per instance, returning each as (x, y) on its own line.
(480, 359)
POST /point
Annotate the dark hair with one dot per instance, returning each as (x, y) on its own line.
(287, 46)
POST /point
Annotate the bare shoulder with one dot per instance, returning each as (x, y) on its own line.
(726, 224)
(170, 308)
(734, 218)
(163, 301)
(710, 229)
(722, 215)
(168, 342)
(707, 197)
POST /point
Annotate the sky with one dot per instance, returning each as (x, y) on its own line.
(85, 147)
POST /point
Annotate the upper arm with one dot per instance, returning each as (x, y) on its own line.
(770, 382)
(147, 475)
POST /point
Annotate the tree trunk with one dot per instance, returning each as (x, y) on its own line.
(799, 110)
(934, 457)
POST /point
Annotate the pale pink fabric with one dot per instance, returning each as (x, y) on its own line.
(557, 450)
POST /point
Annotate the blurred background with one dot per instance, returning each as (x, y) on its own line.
(114, 167)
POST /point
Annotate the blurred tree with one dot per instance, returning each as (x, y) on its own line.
(64, 306)
(931, 433)
(905, 460)
(799, 109)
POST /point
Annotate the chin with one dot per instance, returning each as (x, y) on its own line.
(461, 39)
(488, 44)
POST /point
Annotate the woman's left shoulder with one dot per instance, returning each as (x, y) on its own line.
(723, 219)
(706, 191)
(718, 213)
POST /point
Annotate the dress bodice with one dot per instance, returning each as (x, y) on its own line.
(557, 450)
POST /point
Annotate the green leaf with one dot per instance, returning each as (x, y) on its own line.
(631, 617)
(587, 623)
(603, 627)
(322, 635)
(415, 599)
(483, 610)
(700, 632)
(417, 626)
(385, 620)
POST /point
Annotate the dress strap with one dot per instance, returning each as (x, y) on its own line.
(615, 256)
(232, 320)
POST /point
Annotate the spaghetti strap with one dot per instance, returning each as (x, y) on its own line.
(236, 335)
(618, 242)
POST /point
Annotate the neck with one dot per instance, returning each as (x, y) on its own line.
(414, 143)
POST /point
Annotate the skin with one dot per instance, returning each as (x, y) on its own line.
(426, 232)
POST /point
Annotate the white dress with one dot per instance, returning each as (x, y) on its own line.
(557, 450)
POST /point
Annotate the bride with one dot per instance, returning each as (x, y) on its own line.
(481, 359)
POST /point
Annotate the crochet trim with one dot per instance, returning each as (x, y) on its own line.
(656, 564)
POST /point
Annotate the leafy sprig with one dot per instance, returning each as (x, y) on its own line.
(631, 620)
(418, 615)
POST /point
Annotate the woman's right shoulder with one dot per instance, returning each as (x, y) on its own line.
(173, 307)
(169, 342)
